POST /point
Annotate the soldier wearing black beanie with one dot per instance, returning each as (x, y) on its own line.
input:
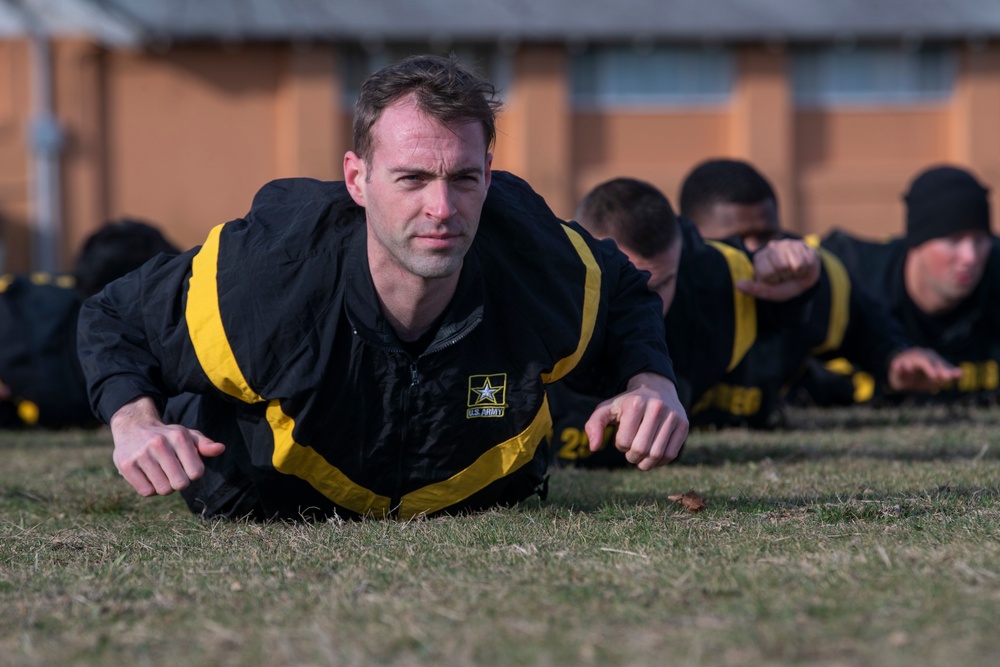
(941, 280)
(942, 201)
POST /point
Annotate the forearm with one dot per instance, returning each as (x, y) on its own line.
(873, 337)
(116, 360)
(133, 340)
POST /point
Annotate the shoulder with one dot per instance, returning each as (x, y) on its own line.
(291, 206)
(36, 305)
(841, 240)
(513, 207)
(293, 218)
(993, 261)
(992, 272)
(518, 226)
(864, 256)
(285, 192)
(707, 266)
(41, 291)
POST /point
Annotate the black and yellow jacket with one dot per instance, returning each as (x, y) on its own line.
(38, 362)
(968, 336)
(838, 319)
(276, 315)
(709, 328)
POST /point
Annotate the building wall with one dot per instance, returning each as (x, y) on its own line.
(14, 105)
(184, 137)
(189, 136)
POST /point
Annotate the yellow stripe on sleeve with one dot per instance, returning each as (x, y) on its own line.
(864, 383)
(840, 297)
(591, 303)
(204, 322)
(28, 412)
(215, 354)
(744, 305)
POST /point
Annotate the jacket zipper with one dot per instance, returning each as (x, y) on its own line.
(445, 344)
(409, 395)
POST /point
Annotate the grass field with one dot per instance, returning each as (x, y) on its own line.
(856, 538)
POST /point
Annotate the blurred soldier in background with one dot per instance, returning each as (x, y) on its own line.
(941, 281)
(41, 383)
(716, 302)
(730, 199)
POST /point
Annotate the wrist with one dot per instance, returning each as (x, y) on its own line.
(141, 409)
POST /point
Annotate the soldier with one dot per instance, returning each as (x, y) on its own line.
(379, 346)
(730, 199)
(41, 383)
(716, 301)
(941, 281)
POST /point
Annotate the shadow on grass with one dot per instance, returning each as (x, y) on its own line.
(716, 453)
(863, 416)
(721, 454)
(601, 493)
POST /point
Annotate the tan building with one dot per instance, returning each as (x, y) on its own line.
(176, 112)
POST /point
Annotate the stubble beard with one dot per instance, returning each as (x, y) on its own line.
(434, 266)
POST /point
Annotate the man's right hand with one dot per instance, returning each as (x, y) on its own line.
(157, 458)
(783, 270)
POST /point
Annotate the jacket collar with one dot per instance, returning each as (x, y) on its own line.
(461, 315)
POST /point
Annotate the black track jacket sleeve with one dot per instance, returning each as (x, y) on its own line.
(132, 332)
(872, 336)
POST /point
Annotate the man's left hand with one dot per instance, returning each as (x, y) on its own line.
(920, 369)
(652, 424)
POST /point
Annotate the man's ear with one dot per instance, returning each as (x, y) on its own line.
(354, 177)
(489, 169)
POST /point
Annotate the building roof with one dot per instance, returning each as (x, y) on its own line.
(139, 21)
(65, 17)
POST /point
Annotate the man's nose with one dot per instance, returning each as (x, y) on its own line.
(439, 204)
(965, 252)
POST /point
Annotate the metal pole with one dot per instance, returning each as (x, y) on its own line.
(46, 146)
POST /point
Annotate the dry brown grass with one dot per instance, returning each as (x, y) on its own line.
(858, 538)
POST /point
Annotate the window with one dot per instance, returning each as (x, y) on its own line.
(872, 74)
(624, 76)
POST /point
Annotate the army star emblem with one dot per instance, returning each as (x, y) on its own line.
(487, 395)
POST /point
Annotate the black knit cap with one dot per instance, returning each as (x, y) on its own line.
(943, 201)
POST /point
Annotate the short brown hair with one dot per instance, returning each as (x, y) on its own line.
(442, 87)
(636, 214)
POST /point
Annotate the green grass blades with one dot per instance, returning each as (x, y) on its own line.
(854, 537)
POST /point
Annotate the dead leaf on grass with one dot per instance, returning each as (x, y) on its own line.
(690, 501)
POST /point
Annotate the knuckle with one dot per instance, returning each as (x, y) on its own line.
(158, 443)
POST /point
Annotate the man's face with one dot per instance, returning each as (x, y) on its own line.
(756, 224)
(423, 191)
(662, 270)
(951, 266)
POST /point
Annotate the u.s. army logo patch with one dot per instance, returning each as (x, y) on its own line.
(487, 395)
